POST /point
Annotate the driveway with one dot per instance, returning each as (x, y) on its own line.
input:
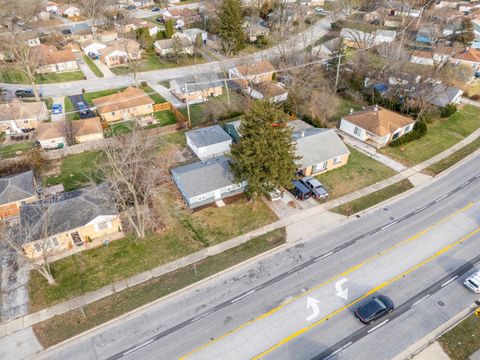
(89, 74)
(104, 69)
(80, 99)
(287, 205)
(59, 100)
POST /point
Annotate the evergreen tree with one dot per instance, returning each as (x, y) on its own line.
(230, 20)
(169, 29)
(265, 154)
(467, 35)
(178, 52)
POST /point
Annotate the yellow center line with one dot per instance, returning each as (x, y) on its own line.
(343, 274)
(370, 292)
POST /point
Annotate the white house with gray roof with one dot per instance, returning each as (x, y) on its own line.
(209, 141)
(206, 182)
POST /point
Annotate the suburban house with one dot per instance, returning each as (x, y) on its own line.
(359, 39)
(255, 27)
(16, 190)
(193, 33)
(196, 88)
(52, 60)
(80, 220)
(376, 125)
(164, 47)
(426, 35)
(268, 90)
(68, 10)
(206, 182)
(256, 73)
(141, 3)
(135, 24)
(51, 7)
(107, 36)
(441, 95)
(120, 53)
(52, 135)
(18, 115)
(429, 58)
(182, 16)
(125, 105)
(209, 141)
(470, 57)
(319, 150)
(92, 47)
(476, 29)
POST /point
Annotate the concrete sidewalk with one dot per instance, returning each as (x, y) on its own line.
(162, 90)
(468, 101)
(298, 226)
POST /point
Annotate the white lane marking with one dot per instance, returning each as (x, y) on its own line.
(388, 225)
(376, 327)
(347, 345)
(463, 185)
(419, 301)
(449, 281)
(333, 354)
(137, 347)
(243, 296)
(441, 198)
(422, 208)
(324, 256)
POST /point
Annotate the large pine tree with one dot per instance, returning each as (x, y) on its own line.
(265, 154)
(230, 20)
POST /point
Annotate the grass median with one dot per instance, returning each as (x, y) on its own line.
(93, 66)
(63, 327)
(372, 199)
(463, 340)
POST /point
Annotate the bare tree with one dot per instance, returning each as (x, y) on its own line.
(13, 12)
(134, 170)
(133, 54)
(95, 11)
(69, 133)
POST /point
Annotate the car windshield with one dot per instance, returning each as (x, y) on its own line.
(371, 308)
(473, 283)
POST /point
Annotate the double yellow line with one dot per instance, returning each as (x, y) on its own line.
(343, 274)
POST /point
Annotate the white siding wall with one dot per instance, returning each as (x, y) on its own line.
(349, 128)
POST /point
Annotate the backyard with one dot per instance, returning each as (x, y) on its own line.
(8, 151)
(442, 134)
(360, 171)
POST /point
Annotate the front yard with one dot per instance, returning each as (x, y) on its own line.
(360, 171)
(12, 76)
(463, 340)
(152, 61)
(442, 134)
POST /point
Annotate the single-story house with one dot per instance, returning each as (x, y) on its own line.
(68, 10)
(232, 129)
(141, 3)
(355, 38)
(206, 182)
(51, 7)
(209, 141)
(470, 57)
(52, 60)
(92, 47)
(86, 130)
(194, 32)
(255, 73)
(268, 90)
(107, 36)
(429, 58)
(120, 53)
(184, 15)
(384, 36)
(16, 190)
(319, 150)
(441, 95)
(79, 220)
(135, 24)
(164, 47)
(426, 35)
(125, 105)
(52, 135)
(196, 88)
(376, 125)
(18, 115)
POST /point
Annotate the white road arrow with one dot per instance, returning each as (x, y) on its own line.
(342, 293)
(313, 303)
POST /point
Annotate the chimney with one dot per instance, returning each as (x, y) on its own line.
(302, 134)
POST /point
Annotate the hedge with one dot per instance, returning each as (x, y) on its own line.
(419, 130)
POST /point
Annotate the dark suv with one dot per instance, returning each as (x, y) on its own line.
(27, 93)
(300, 191)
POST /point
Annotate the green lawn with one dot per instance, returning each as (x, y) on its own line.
(119, 129)
(12, 76)
(474, 89)
(70, 112)
(63, 327)
(186, 233)
(152, 61)
(344, 109)
(76, 171)
(7, 151)
(165, 117)
(93, 66)
(159, 99)
(451, 160)
(442, 134)
(360, 171)
(59, 77)
(463, 340)
(372, 199)
(89, 96)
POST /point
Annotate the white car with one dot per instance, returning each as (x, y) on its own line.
(473, 282)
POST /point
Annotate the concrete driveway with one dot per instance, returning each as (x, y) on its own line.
(77, 99)
(59, 100)
(288, 205)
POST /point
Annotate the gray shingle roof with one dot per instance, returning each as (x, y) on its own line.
(16, 187)
(317, 146)
(203, 176)
(208, 136)
(196, 82)
(72, 210)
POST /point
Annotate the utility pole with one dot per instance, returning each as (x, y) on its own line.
(338, 72)
(188, 105)
(228, 92)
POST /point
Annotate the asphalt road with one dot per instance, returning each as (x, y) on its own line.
(407, 250)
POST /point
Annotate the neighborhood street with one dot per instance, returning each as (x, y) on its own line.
(409, 250)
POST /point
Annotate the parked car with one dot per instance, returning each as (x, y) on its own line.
(160, 20)
(473, 282)
(82, 108)
(318, 190)
(155, 9)
(57, 108)
(377, 307)
(93, 55)
(130, 7)
(300, 191)
(27, 93)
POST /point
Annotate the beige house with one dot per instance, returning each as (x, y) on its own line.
(196, 88)
(86, 130)
(53, 135)
(164, 47)
(120, 53)
(255, 73)
(68, 10)
(16, 190)
(125, 105)
(71, 224)
(376, 126)
(107, 36)
(18, 115)
(52, 60)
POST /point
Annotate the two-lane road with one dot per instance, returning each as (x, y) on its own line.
(406, 250)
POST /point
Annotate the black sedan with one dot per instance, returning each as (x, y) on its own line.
(377, 307)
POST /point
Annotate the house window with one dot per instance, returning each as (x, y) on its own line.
(37, 247)
(408, 128)
(113, 113)
(357, 131)
(395, 135)
(319, 167)
(52, 242)
(103, 225)
(337, 159)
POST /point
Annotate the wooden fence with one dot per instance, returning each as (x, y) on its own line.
(162, 107)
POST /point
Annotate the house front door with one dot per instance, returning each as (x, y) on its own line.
(77, 240)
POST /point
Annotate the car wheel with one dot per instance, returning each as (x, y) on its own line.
(389, 311)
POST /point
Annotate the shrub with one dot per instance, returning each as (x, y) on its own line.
(475, 97)
(262, 41)
(448, 110)
(419, 130)
(144, 83)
